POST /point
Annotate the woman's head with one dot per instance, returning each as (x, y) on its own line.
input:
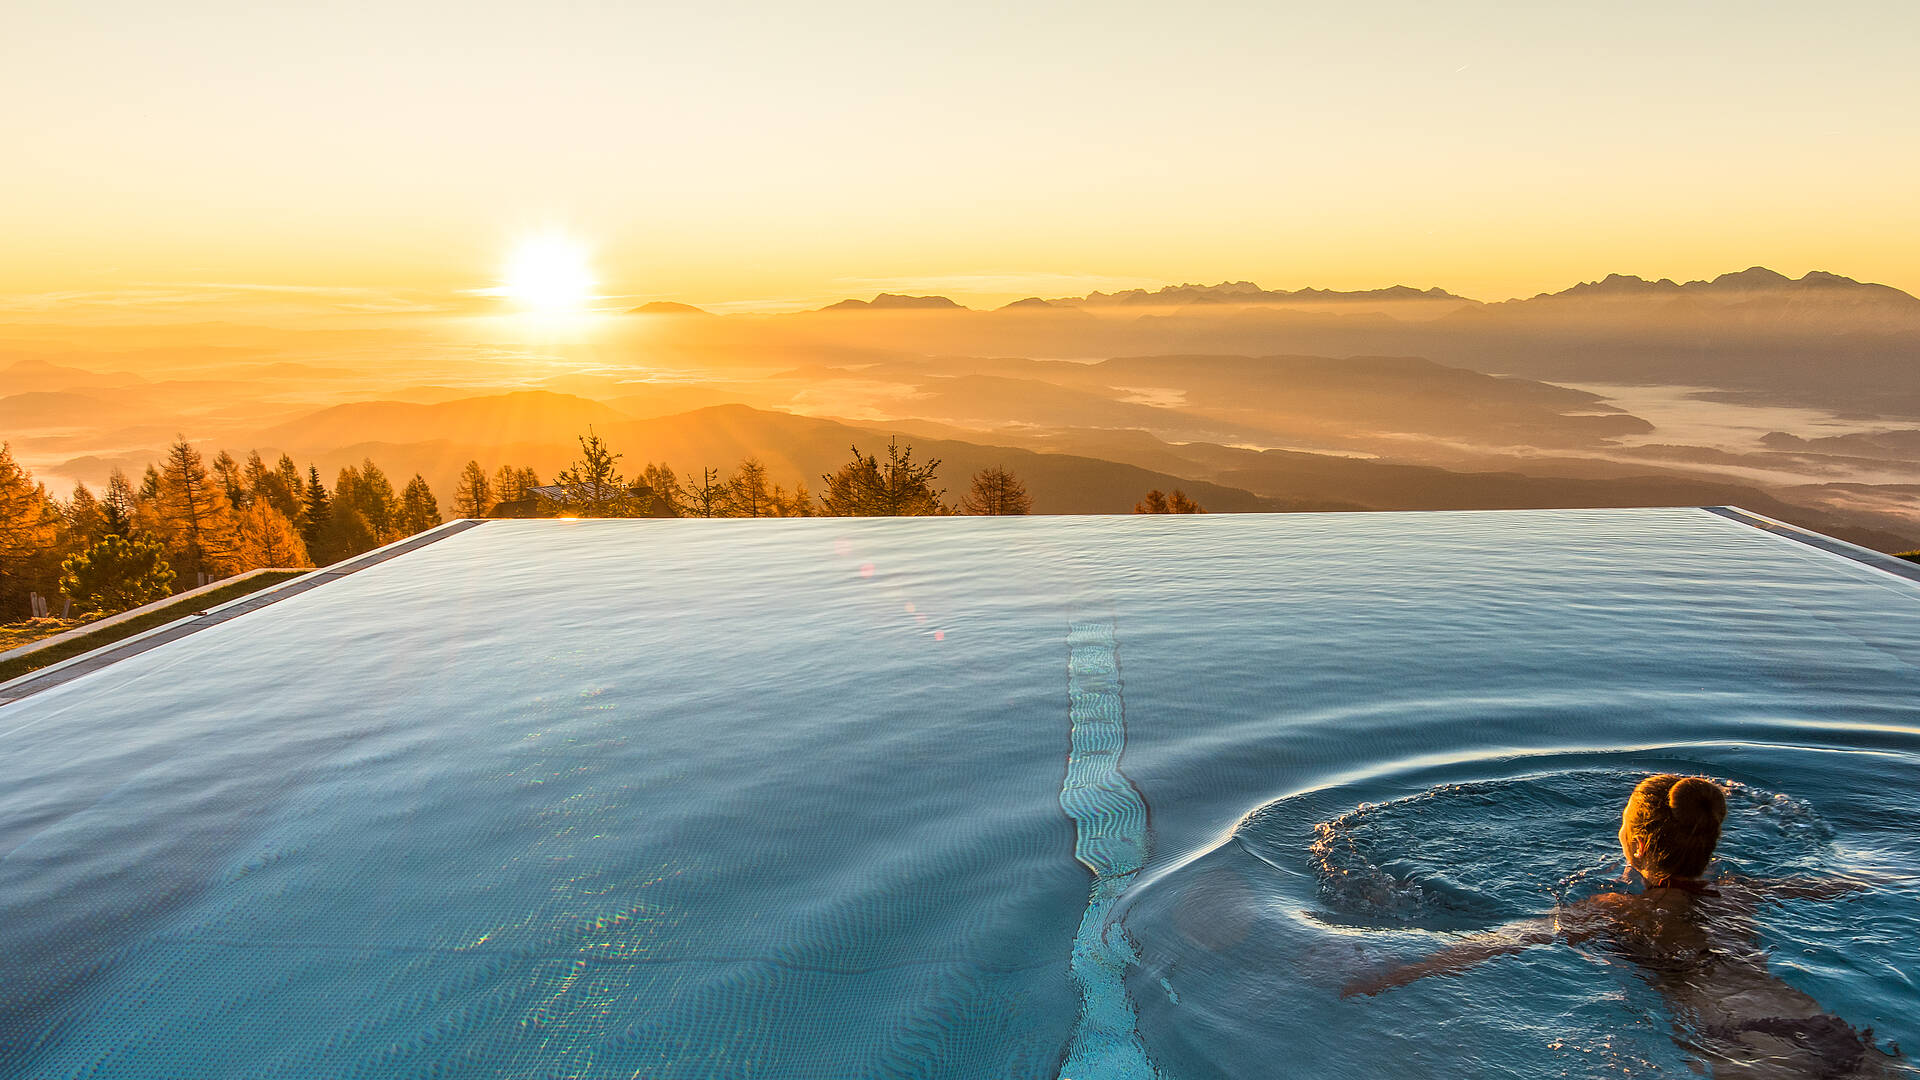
(1671, 824)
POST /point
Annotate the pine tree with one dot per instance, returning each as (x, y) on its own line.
(473, 495)
(194, 511)
(267, 538)
(997, 491)
(419, 511)
(593, 485)
(116, 574)
(316, 517)
(150, 484)
(865, 488)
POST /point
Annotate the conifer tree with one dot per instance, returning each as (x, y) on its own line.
(997, 491)
(473, 495)
(348, 532)
(1154, 503)
(227, 471)
(29, 528)
(279, 485)
(119, 505)
(86, 519)
(267, 538)
(800, 503)
(669, 498)
(706, 496)
(865, 488)
(194, 511)
(117, 573)
(295, 499)
(511, 484)
(419, 511)
(748, 494)
(593, 483)
(316, 517)
(150, 484)
(1178, 503)
(378, 502)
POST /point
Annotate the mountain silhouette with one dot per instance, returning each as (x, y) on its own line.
(896, 302)
(667, 307)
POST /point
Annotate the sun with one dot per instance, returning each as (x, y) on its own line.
(548, 272)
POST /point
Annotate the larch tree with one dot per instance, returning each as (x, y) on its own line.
(511, 483)
(267, 538)
(86, 519)
(419, 510)
(707, 496)
(293, 502)
(232, 481)
(120, 504)
(473, 494)
(29, 527)
(194, 511)
(349, 530)
(748, 494)
(669, 498)
(995, 491)
(798, 504)
(378, 502)
(1158, 502)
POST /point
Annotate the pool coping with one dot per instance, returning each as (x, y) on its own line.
(46, 678)
(66, 671)
(1900, 568)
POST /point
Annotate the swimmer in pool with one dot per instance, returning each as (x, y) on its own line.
(1697, 940)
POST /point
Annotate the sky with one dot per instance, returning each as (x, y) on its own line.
(742, 155)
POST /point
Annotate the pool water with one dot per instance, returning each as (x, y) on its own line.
(1094, 797)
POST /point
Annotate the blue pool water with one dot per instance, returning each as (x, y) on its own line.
(1121, 797)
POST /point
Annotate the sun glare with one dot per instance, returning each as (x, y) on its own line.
(548, 272)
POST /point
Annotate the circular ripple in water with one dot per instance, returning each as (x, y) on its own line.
(1244, 948)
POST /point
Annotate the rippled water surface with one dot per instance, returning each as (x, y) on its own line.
(756, 798)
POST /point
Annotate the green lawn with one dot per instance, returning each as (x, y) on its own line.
(18, 634)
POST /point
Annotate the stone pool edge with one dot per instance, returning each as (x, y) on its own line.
(46, 678)
(1820, 541)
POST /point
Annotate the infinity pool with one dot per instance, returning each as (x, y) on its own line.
(1040, 797)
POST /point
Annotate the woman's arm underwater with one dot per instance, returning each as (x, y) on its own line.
(1575, 923)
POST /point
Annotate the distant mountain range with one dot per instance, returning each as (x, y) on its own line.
(1741, 285)
(1745, 283)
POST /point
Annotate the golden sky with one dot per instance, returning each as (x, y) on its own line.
(745, 154)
